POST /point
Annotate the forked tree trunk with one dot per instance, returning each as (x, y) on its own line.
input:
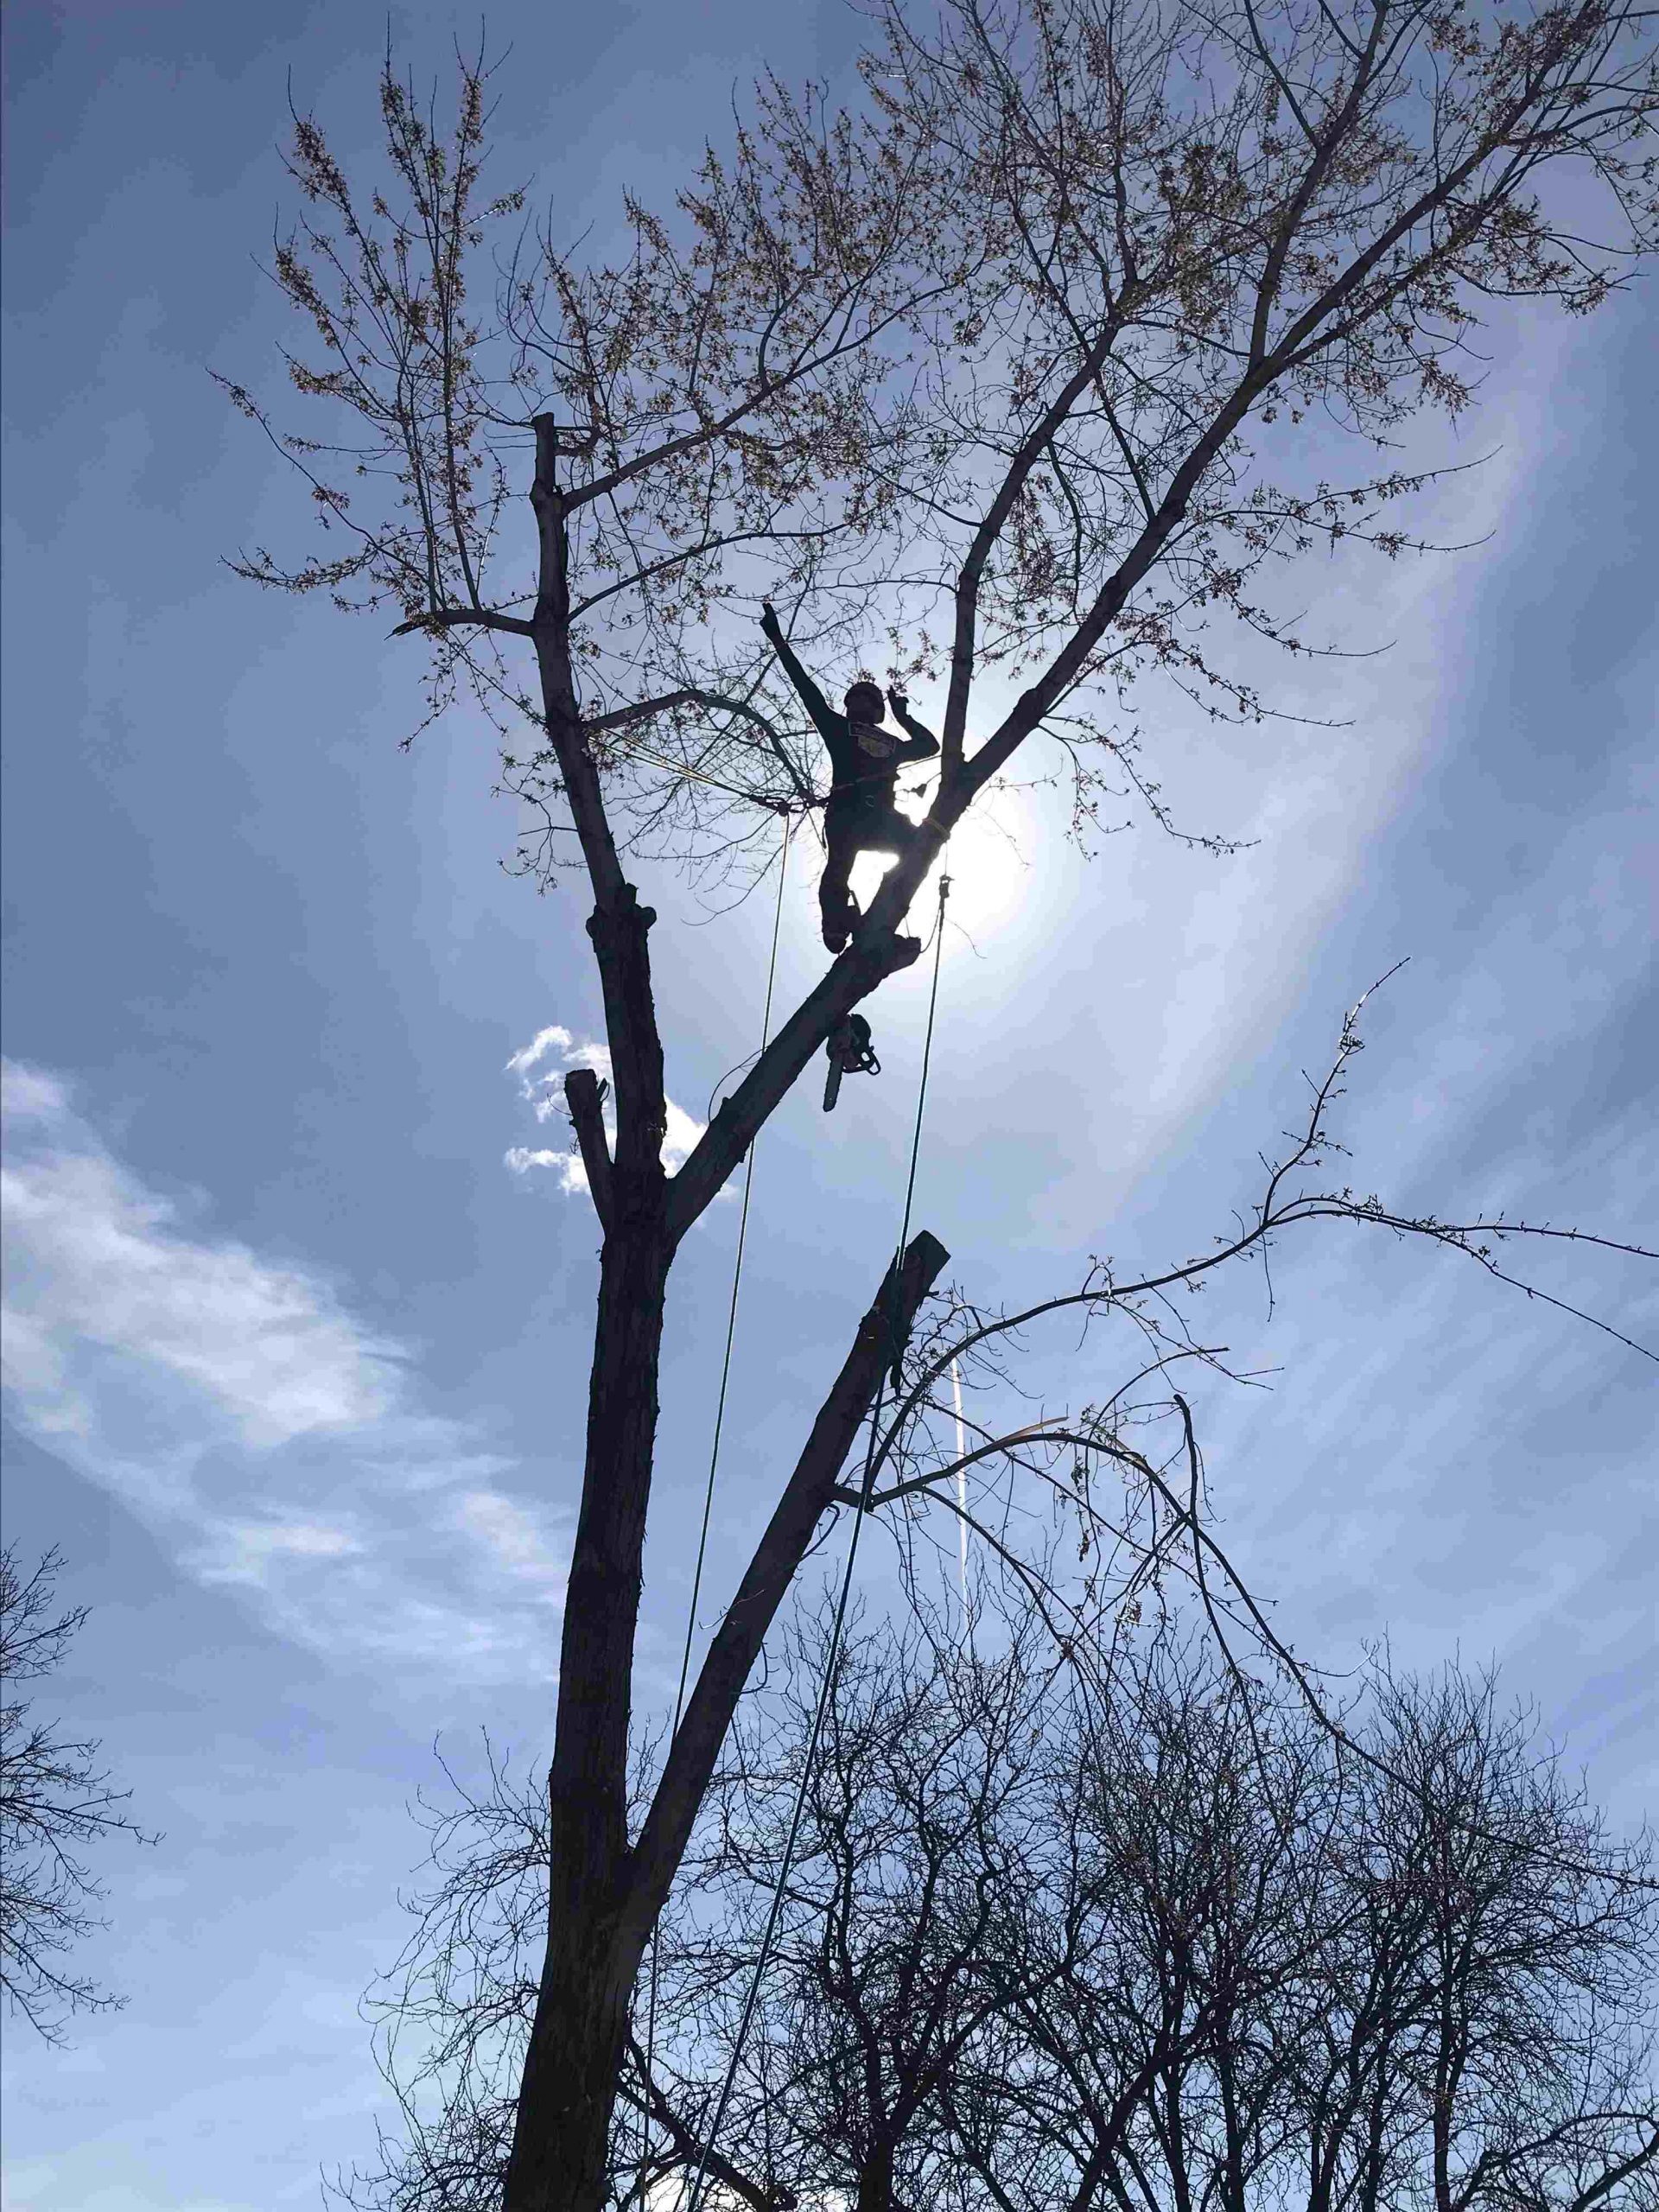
(562, 2137)
(604, 1898)
(579, 2034)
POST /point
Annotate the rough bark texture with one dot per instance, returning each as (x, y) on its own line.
(875, 2180)
(603, 1897)
(807, 1497)
(582, 2014)
(580, 2031)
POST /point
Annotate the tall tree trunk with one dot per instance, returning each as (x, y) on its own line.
(875, 2179)
(580, 2031)
(603, 1897)
(599, 1912)
(578, 2039)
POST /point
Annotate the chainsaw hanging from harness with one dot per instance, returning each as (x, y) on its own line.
(848, 1048)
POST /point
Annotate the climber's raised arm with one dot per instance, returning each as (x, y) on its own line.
(829, 722)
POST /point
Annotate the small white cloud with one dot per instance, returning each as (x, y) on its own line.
(544, 1094)
(545, 1090)
(683, 1135)
(245, 1414)
(544, 1041)
(572, 1175)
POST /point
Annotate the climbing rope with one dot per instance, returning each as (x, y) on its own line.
(731, 1311)
(961, 1483)
(632, 750)
(720, 1414)
(635, 748)
(826, 1690)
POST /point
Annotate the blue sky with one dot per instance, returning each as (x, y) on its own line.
(298, 1357)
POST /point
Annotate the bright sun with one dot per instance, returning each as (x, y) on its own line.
(986, 861)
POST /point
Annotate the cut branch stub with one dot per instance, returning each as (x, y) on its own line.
(584, 1094)
(620, 929)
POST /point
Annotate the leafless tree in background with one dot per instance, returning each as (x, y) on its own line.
(54, 1800)
(1404, 1966)
(922, 1796)
(1060, 1944)
(1170, 1919)
(1482, 2033)
(1028, 343)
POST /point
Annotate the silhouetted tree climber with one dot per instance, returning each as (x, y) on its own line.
(860, 817)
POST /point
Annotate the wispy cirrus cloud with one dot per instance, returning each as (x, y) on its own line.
(244, 1412)
(541, 1067)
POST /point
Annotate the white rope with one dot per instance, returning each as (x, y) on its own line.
(827, 1687)
(961, 1482)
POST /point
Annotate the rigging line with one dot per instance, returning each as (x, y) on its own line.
(732, 790)
(720, 1407)
(684, 768)
(827, 1687)
(731, 1313)
(631, 747)
(961, 1481)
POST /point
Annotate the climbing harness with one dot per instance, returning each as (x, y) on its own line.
(827, 1687)
(848, 1048)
